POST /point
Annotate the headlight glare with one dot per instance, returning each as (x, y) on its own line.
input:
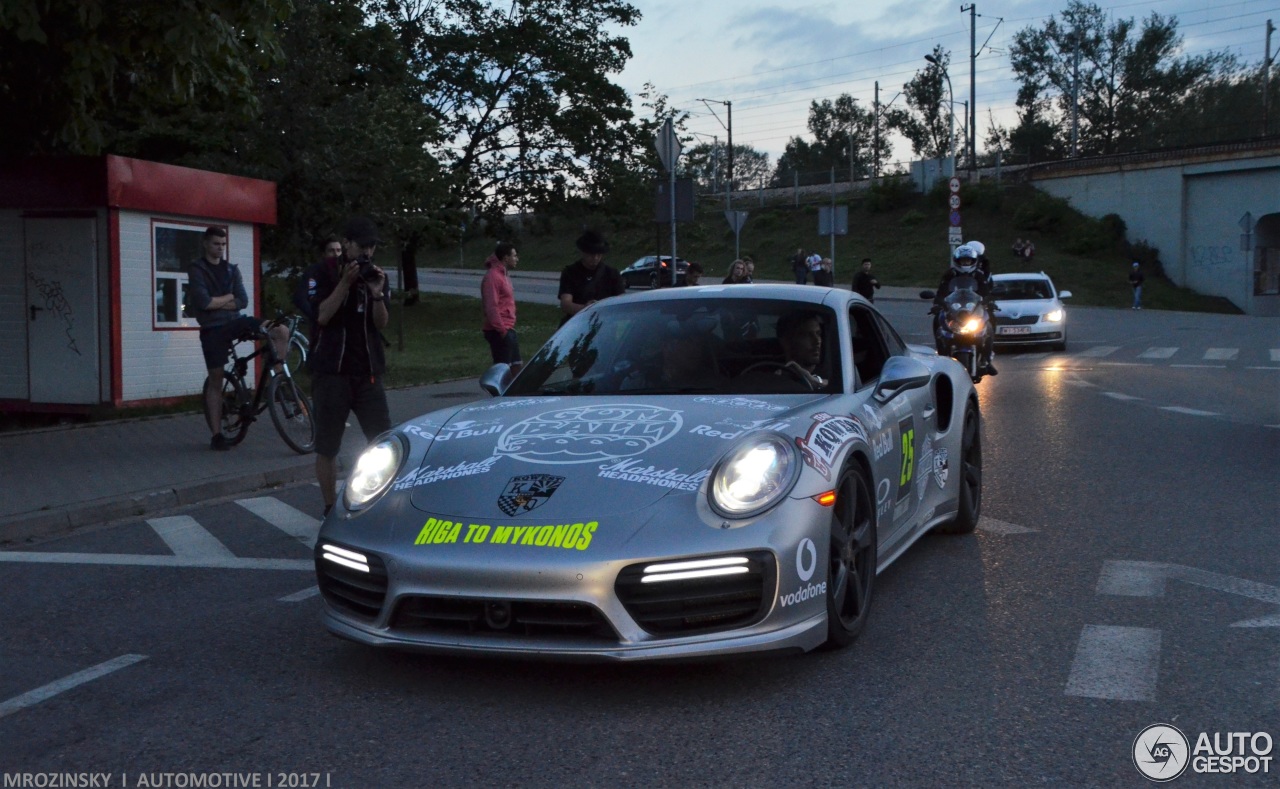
(1053, 316)
(374, 471)
(971, 326)
(753, 476)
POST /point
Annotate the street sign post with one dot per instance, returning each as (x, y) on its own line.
(954, 237)
(736, 220)
(668, 145)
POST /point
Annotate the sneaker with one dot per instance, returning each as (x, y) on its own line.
(219, 442)
(990, 369)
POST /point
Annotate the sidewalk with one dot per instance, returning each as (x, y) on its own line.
(53, 480)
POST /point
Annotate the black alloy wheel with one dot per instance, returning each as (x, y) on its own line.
(966, 519)
(851, 563)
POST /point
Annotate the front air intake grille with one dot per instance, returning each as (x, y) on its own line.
(520, 618)
(356, 592)
(688, 606)
(1025, 320)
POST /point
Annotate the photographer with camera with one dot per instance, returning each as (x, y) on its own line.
(347, 360)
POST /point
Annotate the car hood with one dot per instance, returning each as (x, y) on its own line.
(539, 458)
(1015, 308)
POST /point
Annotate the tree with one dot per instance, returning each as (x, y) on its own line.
(522, 94)
(843, 137)
(707, 164)
(1127, 79)
(75, 74)
(928, 125)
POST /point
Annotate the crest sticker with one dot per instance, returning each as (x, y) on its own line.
(527, 492)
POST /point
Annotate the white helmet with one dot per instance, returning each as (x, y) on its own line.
(964, 259)
(978, 247)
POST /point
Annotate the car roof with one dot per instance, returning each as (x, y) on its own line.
(831, 297)
(1023, 275)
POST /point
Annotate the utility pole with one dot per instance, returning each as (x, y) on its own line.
(729, 128)
(972, 8)
(1266, 83)
(875, 152)
(1075, 99)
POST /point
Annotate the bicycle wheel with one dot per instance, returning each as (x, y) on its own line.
(291, 413)
(296, 358)
(234, 425)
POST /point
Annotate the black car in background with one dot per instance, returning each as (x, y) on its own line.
(647, 272)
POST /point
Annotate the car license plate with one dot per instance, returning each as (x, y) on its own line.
(1015, 330)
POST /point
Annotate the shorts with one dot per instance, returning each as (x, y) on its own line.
(215, 341)
(505, 347)
(334, 395)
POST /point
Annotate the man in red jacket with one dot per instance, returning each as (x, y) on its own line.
(499, 302)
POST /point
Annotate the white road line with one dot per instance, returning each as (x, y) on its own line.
(1189, 411)
(1221, 354)
(1120, 663)
(1148, 579)
(1201, 366)
(46, 692)
(1275, 354)
(1262, 368)
(143, 560)
(1120, 396)
(1123, 364)
(1001, 527)
(1157, 353)
(188, 539)
(291, 521)
(1080, 382)
(310, 591)
(1098, 351)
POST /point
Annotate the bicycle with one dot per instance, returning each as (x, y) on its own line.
(299, 346)
(276, 392)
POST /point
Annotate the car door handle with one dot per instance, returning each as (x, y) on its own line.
(928, 412)
(34, 310)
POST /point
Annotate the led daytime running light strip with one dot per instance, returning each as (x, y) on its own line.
(345, 558)
(698, 568)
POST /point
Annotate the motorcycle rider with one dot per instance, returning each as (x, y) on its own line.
(965, 273)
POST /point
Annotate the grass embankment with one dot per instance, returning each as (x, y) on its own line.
(903, 233)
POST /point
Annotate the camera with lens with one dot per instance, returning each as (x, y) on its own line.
(367, 272)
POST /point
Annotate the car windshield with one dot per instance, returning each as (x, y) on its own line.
(689, 346)
(1021, 289)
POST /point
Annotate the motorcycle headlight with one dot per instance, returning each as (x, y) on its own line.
(971, 326)
(1053, 316)
(374, 471)
(753, 476)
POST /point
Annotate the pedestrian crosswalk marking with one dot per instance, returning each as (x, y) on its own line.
(1221, 354)
(1157, 353)
(291, 521)
(188, 539)
(1099, 351)
(310, 591)
(1275, 354)
(1189, 411)
(1118, 663)
(1120, 396)
(152, 560)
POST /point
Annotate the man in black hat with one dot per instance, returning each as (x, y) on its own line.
(589, 280)
(350, 299)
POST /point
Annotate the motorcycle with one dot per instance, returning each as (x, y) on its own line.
(960, 328)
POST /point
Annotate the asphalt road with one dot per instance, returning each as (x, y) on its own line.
(1125, 574)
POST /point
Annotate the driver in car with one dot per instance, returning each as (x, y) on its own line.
(799, 334)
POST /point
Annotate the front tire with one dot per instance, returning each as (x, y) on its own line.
(291, 414)
(966, 519)
(851, 558)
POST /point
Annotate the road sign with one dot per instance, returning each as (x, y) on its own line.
(668, 145)
(955, 202)
(1246, 222)
(954, 183)
(954, 236)
(841, 224)
(955, 219)
(736, 220)
(684, 201)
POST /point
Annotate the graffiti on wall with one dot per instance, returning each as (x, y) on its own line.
(55, 301)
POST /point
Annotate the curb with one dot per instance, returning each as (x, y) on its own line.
(57, 521)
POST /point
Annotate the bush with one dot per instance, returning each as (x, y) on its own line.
(889, 194)
(1114, 227)
(1147, 255)
(912, 217)
(985, 196)
(1042, 212)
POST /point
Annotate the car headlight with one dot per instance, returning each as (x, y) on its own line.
(1053, 316)
(753, 476)
(374, 471)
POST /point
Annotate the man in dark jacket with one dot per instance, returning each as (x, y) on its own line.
(864, 283)
(347, 360)
(965, 274)
(588, 280)
(215, 297)
(1135, 281)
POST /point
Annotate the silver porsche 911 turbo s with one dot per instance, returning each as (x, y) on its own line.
(692, 472)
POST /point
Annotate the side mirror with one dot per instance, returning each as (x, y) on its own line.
(927, 294)
(1064, 294)
(901, 373)
(496, 379)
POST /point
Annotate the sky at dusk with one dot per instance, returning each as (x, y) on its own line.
(772, 58)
